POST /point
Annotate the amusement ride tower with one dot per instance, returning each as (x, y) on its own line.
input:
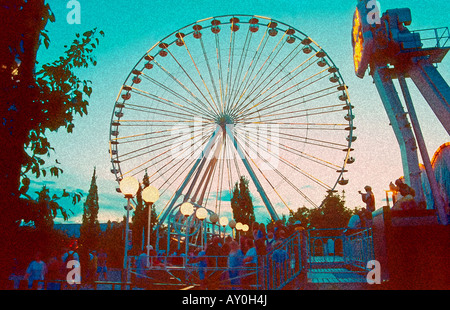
(384, 45)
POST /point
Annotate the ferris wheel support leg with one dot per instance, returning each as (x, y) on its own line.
(402, 129)
(438, 201)
(434, 89)
(199, 162)
(255, 180)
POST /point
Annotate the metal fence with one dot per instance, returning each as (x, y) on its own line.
(271, 271)
(340, 246)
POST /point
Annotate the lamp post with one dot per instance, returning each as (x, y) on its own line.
(238, 229)
(232, 225)
(150, 195)
(245, 228)
(201, 214)
(223, 222)
(129, 187)
(187, 209)
(214, 218)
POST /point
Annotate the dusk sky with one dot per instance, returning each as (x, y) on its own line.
(133, 27)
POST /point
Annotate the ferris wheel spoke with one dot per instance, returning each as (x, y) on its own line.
(253, 63)
(167, 102)
(206, 110)
(180, 164)
(123, 157)
(262, 70)
(161, 143)
(159, 112)
(287, 181)
(294, 100)
(176, 94)
(211, 77)
(306, 140)
(201, 77)
(293, 103)
(295, 151)
(293, 89)
(131, 138)
(287, 163)
(170, 148)
(219, 69)
(239, 70)
(153, 134)
(267, 83)
(229, 70)
(263, 175)
(288, 75)
(307, 112)
(261, 73)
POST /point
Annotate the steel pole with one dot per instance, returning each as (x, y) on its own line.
(125, 256)
(439, 202)
(148, 232)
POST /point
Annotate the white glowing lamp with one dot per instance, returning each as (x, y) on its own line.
(129, 186)
(150, 194)
(201, 213)
(187, 208)
(223, 221)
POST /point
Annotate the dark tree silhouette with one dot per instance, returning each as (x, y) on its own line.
(90, 227)
(241, 203)
(33, 101)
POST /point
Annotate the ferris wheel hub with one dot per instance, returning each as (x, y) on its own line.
(224, 119)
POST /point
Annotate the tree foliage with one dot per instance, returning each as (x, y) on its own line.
(241, 203)
(36, 99)
(332, 214)
(90, 227)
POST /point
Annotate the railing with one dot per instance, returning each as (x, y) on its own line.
(271, 272)
(358, 248)
(340, 246)
(434, 37)
(283, 263)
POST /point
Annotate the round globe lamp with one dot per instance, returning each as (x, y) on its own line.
(232, 224)
(187, 209)
(223, 221)
(201, 213)
(214, 218)
(129, 186)
(150, 194)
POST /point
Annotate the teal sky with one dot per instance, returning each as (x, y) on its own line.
(132, 27)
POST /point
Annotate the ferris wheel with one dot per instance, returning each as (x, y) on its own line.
(232, 96)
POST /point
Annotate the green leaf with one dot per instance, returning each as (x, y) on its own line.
(70, 128)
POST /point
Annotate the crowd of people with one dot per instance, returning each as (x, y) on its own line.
(55, 270)
(229, 254)
(239, 257)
